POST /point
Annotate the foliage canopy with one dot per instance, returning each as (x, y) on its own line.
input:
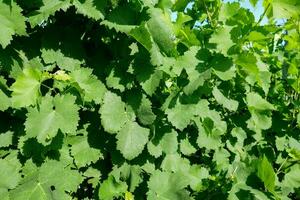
(149, 99)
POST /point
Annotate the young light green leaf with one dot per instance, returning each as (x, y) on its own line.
(266, 173)
(26, 88)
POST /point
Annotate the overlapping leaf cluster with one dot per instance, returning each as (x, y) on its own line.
(149, 99)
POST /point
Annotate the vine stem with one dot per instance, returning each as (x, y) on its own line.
(208, 14)
(263, 15)
(278, 170)
(259, 20)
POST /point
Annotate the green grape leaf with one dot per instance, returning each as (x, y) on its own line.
(39, 184)
(5, 101)
(222, 39)
(142, 107)
(58, 113)
(113, 80)
(48, 9)
(186, 147)
(256, 71)
(110, 189)
(129, 196)
(169, 143)
(93, 89)
(255, 101)
(196, 80)
(55, 173)
(197, 175)
(93, 175)
(131, 140)
(26, 88)
(208, 137)
(6, 139)
(223, 67)
(161, 30)
(259, 121)
(165, 141)
(144, 112)
(175, 163)
(167, 186)
(122, 19)
(187, 61)
(149, 99)
(9, 175)
(285, 8)
(256, 36)
(253, 2)
(150, 85)
(221, 157)
(81, 148)
(242, 190)
(291, 178)
(230, 104)
(131, 173)
(4, 194)
(30, 189)
(142, 35)
(12, 22)
(266, 173)
(228, 10)
(113, 113)
(64, 62)
(240, 134)
(90, 8)
(181, 114)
